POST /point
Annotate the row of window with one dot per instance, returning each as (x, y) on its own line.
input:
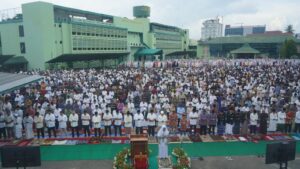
(97, 35)
(84, 30)
(98, 43)
(99, 49)
(168, 37)
(166, 45)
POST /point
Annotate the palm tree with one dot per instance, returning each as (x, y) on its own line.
(289, 29)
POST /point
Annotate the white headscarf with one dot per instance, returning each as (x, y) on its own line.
(162, 133)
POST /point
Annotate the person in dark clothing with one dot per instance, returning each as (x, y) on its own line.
(221, 123)
(263, 122)
(236, 122)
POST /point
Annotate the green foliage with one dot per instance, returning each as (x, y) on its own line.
(289, 29)
(288, 49)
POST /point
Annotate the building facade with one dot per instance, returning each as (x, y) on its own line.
(211, 29)
(244, 30)
(45, 33)
(268, 45)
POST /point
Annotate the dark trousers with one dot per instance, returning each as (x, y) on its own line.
(252, 129)
(10, 132)
(151, 131)
(73, 131)
(40, 131)
(138, 130)
(203, 130)
(117, 128)
(280, 127)
(86, 129)
(53, 130)
(107, 130)
(97, 132)
(2, 133)
(297, 128)
(212, 129)
(288, 128)
(193, 129)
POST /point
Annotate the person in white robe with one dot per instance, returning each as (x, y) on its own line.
(162, 119)
(73, 119)
(273, 122)
(162, 136)
(39, 124)
(128, 123)
(96, 119)
(62, 124)
(139, 119)
(107, 118)
(18, 126)
(28, 123)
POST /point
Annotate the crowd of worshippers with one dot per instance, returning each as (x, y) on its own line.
(222, 97)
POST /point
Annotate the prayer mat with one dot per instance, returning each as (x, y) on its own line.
(230, 138)
(173, 139)
(206, 138)
(278, 137)
(217, 138)
(296, 138)
(268, 138)
(71, 142)
(185, 139)
(195, 138)
(242, 139)
(59, 142)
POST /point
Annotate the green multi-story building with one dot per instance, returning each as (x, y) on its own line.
(44, 34)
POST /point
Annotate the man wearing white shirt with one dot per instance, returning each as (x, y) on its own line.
(107, 118)
(73, 119)
(97, 124)
(117, 116)
(39, 124)
(297, 121)
(253, 122)
(86, 123)
(50, 122)
(28, 123)
(2, 126)
(193, 117)
(128, 123)
(162, 119)
(151, 118)
(9, 124)
(281, 120)
(62, 123)
(139, 119)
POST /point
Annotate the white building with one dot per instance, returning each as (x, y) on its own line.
(211, 29)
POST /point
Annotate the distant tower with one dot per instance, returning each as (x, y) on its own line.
(141, 11)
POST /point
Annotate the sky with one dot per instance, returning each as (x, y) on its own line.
(189, 14)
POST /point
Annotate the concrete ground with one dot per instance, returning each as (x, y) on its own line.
(244, 162)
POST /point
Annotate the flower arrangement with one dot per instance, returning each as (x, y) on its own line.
(183, 161)
(121, 159)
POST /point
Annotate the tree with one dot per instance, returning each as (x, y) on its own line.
(289, 29)
(288, 49)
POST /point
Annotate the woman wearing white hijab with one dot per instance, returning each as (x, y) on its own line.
(162, 136)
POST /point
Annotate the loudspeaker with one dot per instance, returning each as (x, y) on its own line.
(13, 156)
(280, 152)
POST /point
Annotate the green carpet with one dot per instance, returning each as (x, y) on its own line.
(108, 151)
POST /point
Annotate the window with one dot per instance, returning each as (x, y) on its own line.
(21, 31)
(22, 47)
